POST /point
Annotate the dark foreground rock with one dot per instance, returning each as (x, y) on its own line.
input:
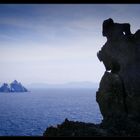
(119, 90)
(118, 95)
(80, 129)
(71, 129)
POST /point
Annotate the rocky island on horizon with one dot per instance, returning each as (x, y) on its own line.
(15, 86)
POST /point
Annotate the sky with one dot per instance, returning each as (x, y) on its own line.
(57, 43)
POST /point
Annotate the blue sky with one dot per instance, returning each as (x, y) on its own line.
(56, 43)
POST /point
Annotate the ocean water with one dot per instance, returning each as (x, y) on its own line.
(29, 114)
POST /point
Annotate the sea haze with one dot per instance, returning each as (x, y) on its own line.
(82, 84)
(29, 114)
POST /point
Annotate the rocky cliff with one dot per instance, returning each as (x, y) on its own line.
(119, 91)
(118, 95)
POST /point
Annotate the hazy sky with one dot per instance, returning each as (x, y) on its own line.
(56, 43)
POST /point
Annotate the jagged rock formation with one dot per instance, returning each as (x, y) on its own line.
(118, 95)
(71, 129)
(13, 87)
(17, 87)
(81, 129)
(119, 91)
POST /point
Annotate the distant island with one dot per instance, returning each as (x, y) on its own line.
(15, 86)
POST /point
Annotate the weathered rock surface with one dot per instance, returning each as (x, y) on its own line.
(70, 128)
(17, 87)
(118, 95)
(119, 127)
(119, 91)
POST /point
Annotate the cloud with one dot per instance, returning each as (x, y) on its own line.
(56, 43)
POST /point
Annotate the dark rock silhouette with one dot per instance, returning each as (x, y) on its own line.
(68, 128)
(71, 129)
(118, 95)
(114, 30)
(119, 91)
(13, 87)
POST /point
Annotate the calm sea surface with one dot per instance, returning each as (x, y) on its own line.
(29, 114)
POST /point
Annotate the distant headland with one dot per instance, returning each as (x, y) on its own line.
(15, 86)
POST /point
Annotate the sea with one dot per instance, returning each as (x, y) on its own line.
(30, 113)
